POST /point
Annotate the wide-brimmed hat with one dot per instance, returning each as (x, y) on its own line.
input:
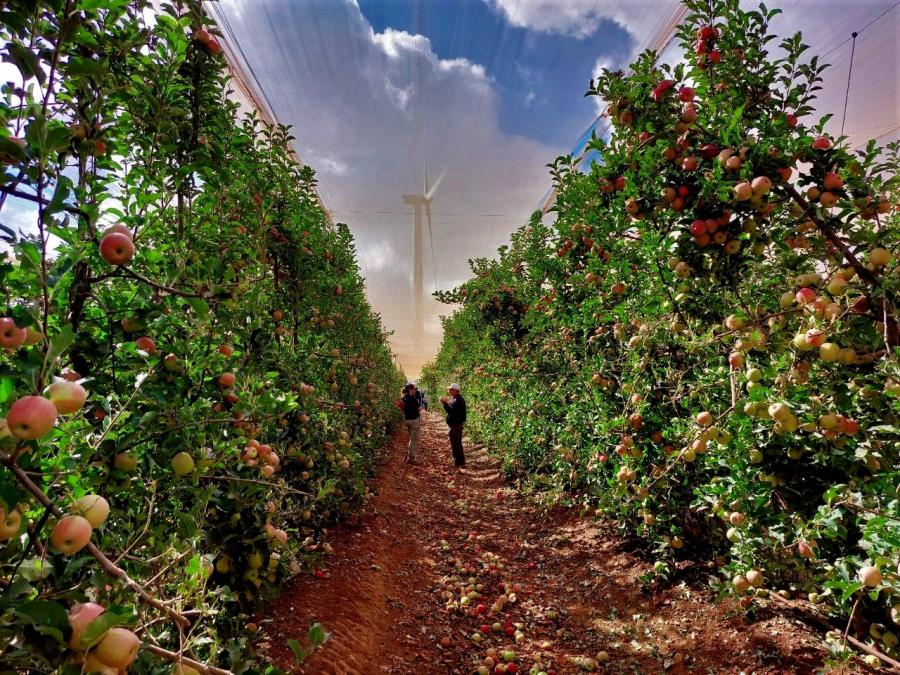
(454, 386)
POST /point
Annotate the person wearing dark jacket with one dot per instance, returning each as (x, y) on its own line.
(411, 404)
(456, 419)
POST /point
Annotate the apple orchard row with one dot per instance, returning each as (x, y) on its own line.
(704, 344)
(192, 385)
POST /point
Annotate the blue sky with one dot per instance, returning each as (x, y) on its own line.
(542, 76)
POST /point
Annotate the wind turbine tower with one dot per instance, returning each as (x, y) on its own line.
(420, 202)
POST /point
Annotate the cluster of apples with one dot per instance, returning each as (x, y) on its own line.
(751, 579)
(705, 46)
(498, 661)
(31, 417)
(72, 532)
(109, 654)
(263, 455)
(13, 337)
(718, 230)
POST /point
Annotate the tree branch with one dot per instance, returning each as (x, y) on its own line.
(833, 237)
(105, 563)
(180, 658)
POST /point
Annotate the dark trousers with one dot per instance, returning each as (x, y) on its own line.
(455, 434)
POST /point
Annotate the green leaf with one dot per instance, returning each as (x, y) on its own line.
(60, 342)
(25, 60)
(200, 307)
(317, 635)
(44, 613)
(81, 66)
(12, 150)
(300, 653)
(114, 616)
(7, 388)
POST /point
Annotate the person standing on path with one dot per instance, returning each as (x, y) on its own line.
(456, 418)
(411, 404)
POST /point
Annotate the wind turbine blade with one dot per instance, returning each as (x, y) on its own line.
(431, 240)
(433, 189)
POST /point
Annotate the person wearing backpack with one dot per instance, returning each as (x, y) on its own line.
(411, 406)
(455, 406)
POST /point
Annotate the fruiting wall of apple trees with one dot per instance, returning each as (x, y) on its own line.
(192, 382)
(704, 344)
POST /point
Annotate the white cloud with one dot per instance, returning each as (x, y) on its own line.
(582, 18)
(325, 164)
(377, 256)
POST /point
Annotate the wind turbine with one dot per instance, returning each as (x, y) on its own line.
(420, 202)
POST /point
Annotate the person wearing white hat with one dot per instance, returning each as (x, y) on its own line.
(456, 419)
(411, 406)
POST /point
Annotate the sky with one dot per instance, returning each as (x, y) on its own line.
(488, 91)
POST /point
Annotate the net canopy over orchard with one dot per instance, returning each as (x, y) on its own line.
(230, 231)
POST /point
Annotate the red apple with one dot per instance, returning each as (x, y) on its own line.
(68, 397)
(226, 380)
(828, 199)
(761, 185)
(71, 534)
(805, 296)
(686, 94)
(821, 143)
(743, 191)
(791, 120)
(689, 163)
(11, 336)
(31, 417)
(833, 181)
(226, 350)
(117, 248)
(146, 344)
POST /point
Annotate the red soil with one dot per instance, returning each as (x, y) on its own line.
(384, 599)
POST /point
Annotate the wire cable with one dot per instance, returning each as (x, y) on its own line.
(849, 74)
(853, 36)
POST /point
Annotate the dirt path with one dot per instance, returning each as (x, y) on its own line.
(390, 597)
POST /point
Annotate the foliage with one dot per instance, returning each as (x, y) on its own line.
(124, 118)
(722, 265)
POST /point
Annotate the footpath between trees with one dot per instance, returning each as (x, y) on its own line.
(390, 594)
